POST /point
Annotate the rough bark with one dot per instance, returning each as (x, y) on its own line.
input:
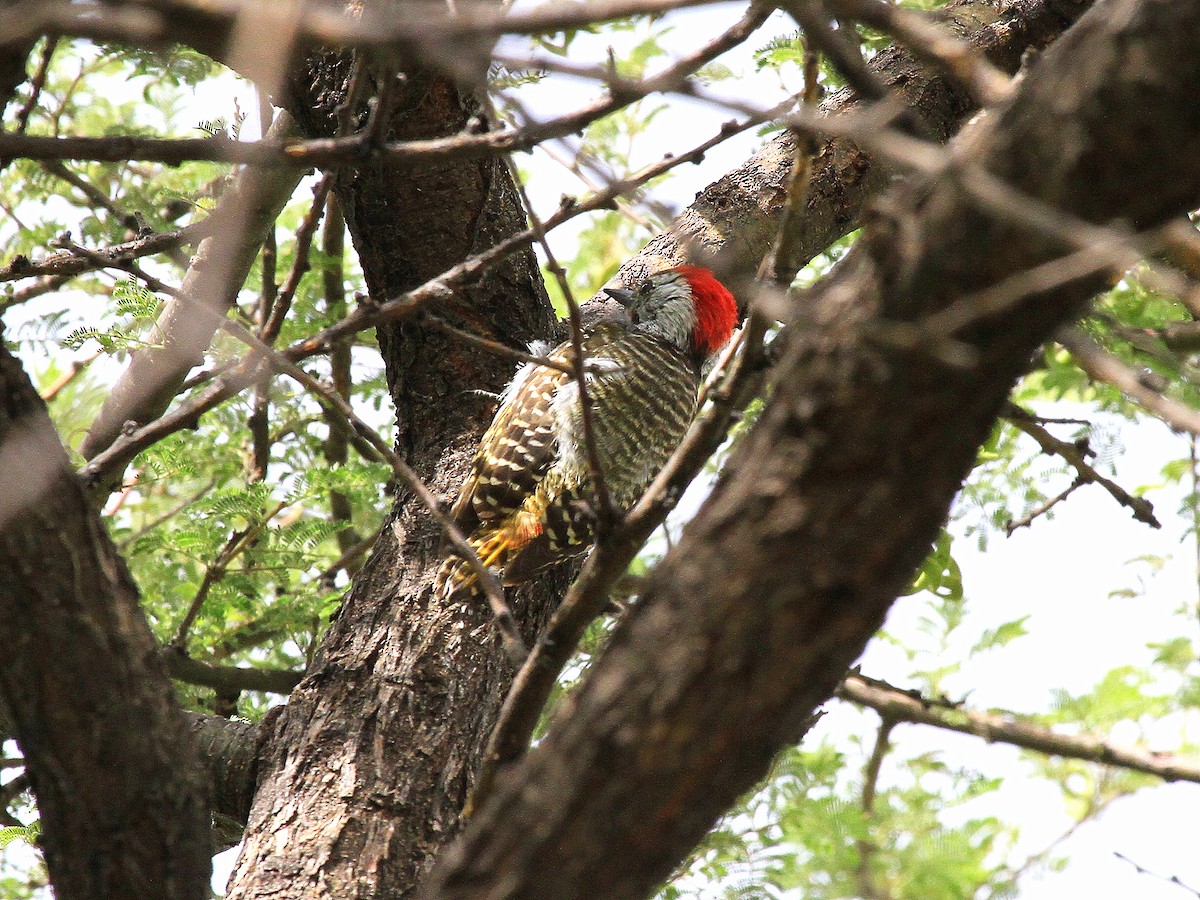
(107, 752)
(229, 753)
(835, 496)
(367, 768)
(13, 58)
(736, 217)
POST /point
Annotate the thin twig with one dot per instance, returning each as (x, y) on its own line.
(45, 285)
(329, 24)
(844, 54)
(91, 193)
(300, 265)
(347, 560)
(1014, 525)
(1103, 366)
(783, 261)
(1076, 455)
(1091, 811)
(215, 571)
(99, 261)
(1169, 879)
(36, 85)
(1005, 728)
(258, 423)
(185, 415)
(336, 446)
(867, 848)
(495, 347)
(606, 514)
(77, 366)
(175, 510)
(623, 206)
(67, 264)
(959, 61)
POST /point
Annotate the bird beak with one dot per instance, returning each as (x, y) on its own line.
(621, 295)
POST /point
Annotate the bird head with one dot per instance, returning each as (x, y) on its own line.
(685, 306)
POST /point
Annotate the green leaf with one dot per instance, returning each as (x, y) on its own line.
(1000, 636)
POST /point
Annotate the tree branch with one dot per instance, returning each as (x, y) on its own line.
(907, 706)
(185, 329)
(71, 631)
(61, 265)
(1076, 456)
(1103, 366)
(228, 679)
(716, 668)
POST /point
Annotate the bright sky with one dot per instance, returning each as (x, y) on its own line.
(1060, 572)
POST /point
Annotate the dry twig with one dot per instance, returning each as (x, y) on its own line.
(906, 706)
(1103, 366)
(1076, 455)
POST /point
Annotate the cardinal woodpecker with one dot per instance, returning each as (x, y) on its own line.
(527, 503)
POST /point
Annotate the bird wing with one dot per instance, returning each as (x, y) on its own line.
(643, 396)
(518, 448)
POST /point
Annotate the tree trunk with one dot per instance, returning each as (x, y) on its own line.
(368, 766)
(108, 754)
(838, 491)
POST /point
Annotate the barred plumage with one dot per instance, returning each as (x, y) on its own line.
(527, 503)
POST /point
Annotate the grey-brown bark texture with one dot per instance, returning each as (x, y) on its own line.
(736, 217)
(368, 766)
(834, 497)
(107, 752)
(13, 58)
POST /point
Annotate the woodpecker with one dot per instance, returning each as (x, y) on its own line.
(527, 502)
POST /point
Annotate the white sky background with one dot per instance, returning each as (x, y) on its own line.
(1060, 571)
